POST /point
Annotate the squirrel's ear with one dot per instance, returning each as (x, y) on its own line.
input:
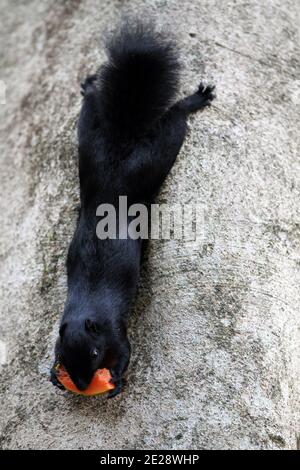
(62, 329)
(92, 326)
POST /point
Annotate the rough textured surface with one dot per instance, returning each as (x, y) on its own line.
(215, 329)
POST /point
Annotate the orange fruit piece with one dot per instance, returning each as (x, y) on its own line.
(99, 384)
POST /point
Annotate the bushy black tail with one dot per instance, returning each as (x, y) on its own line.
(140, 80)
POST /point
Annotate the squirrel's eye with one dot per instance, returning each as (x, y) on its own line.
(94, 353)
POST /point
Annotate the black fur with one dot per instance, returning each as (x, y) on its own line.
(129, 136)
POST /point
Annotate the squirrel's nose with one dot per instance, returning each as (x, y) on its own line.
(81, 384)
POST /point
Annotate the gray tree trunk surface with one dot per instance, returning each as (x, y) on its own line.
(215, 328)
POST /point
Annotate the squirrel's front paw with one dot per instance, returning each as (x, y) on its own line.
(118, 389)
(118, 383)
(54, 380)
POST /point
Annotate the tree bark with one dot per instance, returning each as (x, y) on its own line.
(215, 328)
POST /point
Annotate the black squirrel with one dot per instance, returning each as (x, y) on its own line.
(129, 134)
